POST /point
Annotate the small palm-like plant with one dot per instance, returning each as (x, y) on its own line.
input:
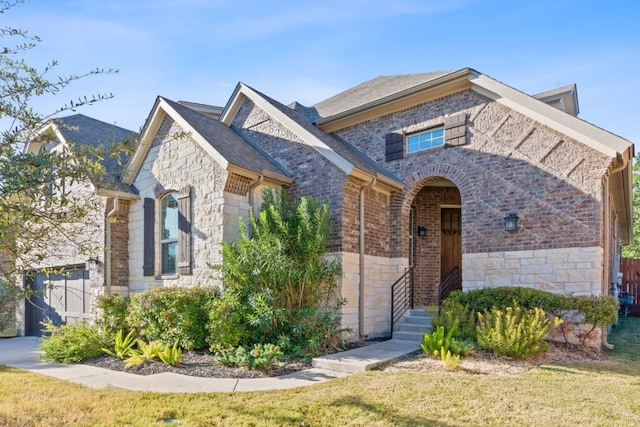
(146, 351)
(123, 345)
(171, 355)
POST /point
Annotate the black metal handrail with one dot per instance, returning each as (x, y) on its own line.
(450, 283)
(401, 296)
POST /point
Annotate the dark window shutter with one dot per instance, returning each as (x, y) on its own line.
(394, 146)
(184, 231)
(455, 130)
(149, 232)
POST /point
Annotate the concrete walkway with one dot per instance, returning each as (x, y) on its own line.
(22, 352)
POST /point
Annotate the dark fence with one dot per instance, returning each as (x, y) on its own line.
(630, 269)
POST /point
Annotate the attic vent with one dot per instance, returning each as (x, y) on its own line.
(237, 184)
(455, 130)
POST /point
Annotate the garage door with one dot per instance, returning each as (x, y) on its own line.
(61, 298)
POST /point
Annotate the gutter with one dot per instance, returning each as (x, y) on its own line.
(361, 258)
(116, 206)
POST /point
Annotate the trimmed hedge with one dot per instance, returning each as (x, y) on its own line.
(171, 314)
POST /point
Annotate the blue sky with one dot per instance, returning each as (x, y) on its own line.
(197, 50)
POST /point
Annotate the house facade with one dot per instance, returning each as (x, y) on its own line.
(420, 171)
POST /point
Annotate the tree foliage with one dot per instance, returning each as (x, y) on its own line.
(42, 194)
(632, 250)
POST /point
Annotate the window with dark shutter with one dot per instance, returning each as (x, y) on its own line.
(149, 231)
(455, 130)
(394, 146)
(184, 231)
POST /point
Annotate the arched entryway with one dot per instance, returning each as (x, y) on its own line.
(435, 238)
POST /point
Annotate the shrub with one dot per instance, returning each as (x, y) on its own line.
(278, 282)
(144, 352)
(71, 343)
(261, 356)
(112, 314)
(453, 313)
(513, 331)
(173, 314)
(481, 300)
(171, 355)
(598, 312)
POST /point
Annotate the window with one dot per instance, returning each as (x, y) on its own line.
(169, 232)
(425, 140)
(173, 236)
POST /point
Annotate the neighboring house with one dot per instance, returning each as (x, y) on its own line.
(68, 281)
(421, 170)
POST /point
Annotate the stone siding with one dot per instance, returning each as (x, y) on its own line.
(576, 270)
(380, 274)
(174, 161)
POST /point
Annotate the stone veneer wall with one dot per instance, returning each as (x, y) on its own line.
(380, 274)
(172, 163)
(576, 270)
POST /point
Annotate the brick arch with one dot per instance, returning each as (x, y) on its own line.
(414, 182)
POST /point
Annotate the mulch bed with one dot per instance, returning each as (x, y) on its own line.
(203, 364)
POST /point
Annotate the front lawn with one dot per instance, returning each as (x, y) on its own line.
(603, 393)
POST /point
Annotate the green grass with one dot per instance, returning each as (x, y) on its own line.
(605, 393)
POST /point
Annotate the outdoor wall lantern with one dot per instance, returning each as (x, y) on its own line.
(91, 264)
(511, 222)
(422, 231)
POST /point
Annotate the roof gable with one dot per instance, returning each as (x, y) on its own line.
(225, 146)
(82, 130)
(340, 153)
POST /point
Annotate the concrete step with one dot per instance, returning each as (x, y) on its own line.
(418, 312)
(415, 337)
(413, 327)
(366, 357)
(417, 323)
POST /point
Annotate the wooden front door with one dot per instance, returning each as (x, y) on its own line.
(450, 240)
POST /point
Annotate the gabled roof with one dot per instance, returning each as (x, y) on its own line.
(227, 148)
(344, 156)
(82, 130)
(370, 91)
(385, 95)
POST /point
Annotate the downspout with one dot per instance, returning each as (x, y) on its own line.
(607, 242)
(361, 258)
(252, 197)
(116, 205)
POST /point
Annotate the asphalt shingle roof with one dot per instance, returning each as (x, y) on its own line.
(341, 147)
(234, 148)
(367, 92)
(82, 130)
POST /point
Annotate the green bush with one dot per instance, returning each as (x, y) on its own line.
(71, 343)
(514, 331)
(261, 356)
(279, 285)
(111, 314)
(453, 313)
(481, 300)
(173, 314)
